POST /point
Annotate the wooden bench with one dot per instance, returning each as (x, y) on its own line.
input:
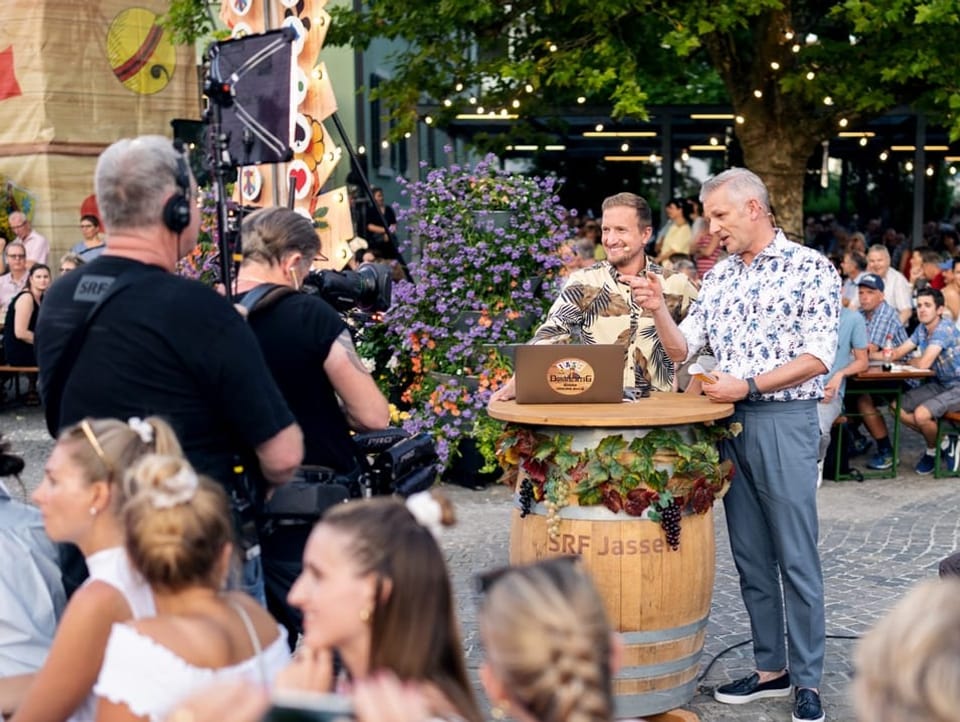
(950, 420)
(11, 374)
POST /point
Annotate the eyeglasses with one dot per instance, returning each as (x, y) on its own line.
(15, 256)
(18, 226)
(486, 580)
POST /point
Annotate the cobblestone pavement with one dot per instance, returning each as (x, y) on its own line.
(877, 538)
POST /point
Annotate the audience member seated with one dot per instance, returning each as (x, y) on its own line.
(706, 252)
(850, 360)
(678, 237)
(178, 530)
(31, 592)
(375, 589)
(92, 244)
(897, 290)
(15, 279)
(550, 652)
(881, 322)
(37, 247)
(938, 342)
(70, 262)
(21, 318)
(81, 497)
(906, 667)
(852, 267)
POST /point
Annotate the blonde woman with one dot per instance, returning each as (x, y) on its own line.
(550, 652)
(80, 499)
(907, 666)
(179, 538)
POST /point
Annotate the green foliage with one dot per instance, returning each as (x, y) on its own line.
(663, 465)
(189, 20)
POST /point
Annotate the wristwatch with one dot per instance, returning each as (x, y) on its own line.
(753, 393)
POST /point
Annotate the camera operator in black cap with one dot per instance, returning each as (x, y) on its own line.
(311, 355)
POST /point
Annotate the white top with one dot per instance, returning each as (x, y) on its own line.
(113, 567)
(151, 680)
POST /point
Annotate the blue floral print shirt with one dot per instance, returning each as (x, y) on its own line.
(758, 317)
(947, 336)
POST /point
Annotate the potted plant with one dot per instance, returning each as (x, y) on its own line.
(481, 280)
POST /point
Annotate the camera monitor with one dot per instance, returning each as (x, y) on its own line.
(251, 79)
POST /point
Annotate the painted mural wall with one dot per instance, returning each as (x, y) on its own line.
(74, 77)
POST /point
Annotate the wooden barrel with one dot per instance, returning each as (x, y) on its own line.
(658, 598)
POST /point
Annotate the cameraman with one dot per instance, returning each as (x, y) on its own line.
(310, 353)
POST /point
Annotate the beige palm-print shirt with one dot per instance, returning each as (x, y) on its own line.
(594, 308)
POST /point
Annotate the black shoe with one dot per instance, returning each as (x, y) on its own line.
(807, 707)
(750, 688)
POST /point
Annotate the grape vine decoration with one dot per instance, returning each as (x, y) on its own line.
(662, 475)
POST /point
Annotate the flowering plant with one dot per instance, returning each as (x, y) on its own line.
(660, 475)
(480, 282)
(203, 262)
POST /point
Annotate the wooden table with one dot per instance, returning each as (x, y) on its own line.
(877, 382)
(662, 408)
(657, 598)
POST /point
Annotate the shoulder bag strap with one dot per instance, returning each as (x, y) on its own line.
(53, 395)
(260, 298)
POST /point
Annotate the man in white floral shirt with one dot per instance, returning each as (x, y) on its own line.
(595, 305)
(770, 313)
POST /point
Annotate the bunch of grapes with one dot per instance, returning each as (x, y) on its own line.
(670, 521)
(526, 497)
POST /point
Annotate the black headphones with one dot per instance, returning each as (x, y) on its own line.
(176, 211)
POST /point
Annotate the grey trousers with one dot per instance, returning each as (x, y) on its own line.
(772, 522)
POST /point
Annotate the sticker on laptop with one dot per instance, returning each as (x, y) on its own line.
(570, 376)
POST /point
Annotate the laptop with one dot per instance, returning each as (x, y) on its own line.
(569, 373)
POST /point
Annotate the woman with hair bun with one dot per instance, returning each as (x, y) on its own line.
(179, 538)
(80, 498)
(375, 589)
(550, 652)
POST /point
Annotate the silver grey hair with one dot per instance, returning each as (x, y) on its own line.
(879, 248)
(741, 183)
(134, 179)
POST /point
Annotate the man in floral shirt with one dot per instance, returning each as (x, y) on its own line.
(770, 313)
(595, 305)
(938, 340)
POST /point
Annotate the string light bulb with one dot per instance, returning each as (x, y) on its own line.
(757, 93)
(625, 147)
(795, 48)
(428, 120)
(740, 120)
(788, 35)
(447, 102)
(863, 142)
(843, 122)
(811, 75)
(908, 166)
(598, 127)
(884, 155)
(528, 88)
(930, 171)
(581, 100)
(828, 100)
(459, 87)
(775, 65)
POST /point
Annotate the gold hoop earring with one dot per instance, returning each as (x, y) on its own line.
(498, 712)
(365, 614)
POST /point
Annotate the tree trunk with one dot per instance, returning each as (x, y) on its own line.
(782, 164)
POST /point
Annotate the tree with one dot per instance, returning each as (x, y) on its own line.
(794, 72)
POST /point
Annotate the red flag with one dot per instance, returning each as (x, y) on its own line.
(9, 87)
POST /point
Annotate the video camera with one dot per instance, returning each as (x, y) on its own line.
(368, 287)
